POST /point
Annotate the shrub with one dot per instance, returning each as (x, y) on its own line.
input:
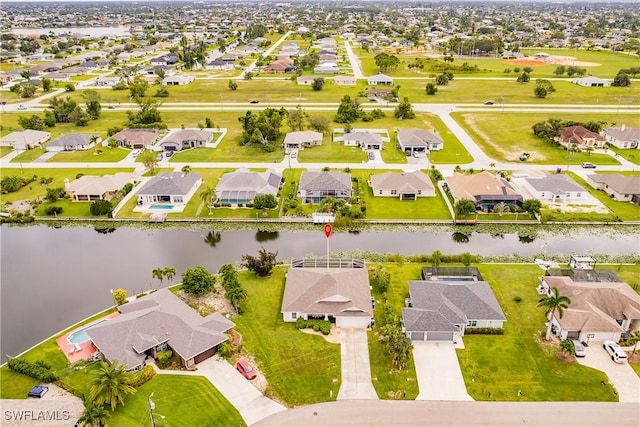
(10, 184)
(225, 350)
(265, 201)
(323, 326)
(53, 210)
(142, 376)
(484, 331)
(101, 207)
(33, 370)
(517, 298)
(163, 359)
(120, 296)
(240, 205)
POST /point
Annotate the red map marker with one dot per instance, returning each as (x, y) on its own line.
(327, 230)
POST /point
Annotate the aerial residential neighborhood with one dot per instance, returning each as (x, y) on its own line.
(319, 213)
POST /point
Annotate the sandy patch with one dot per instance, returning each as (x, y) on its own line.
(525, 62)
(333, 337)
(553, 59)
(20, 206)
(210, 303)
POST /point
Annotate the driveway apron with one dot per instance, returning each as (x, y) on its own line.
(621, 375)
(438, 371)
(356, 370)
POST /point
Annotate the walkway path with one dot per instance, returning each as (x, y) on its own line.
(356, 370)
(252, 405)
(355, 62)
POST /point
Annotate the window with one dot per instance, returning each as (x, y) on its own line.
(419, 191)
(380, 192)
(177, 199)
(578, 195)
(294, 315)
(394, 192)
(472, 323)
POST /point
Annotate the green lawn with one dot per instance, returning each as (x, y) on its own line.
(182, 400)
(85, 156)
(300, 368)
(331, 152)
(627, 273)
(27, 156)
(520, 359)
(4, 150)
(514, 136)
(630, 154)
(625, 211)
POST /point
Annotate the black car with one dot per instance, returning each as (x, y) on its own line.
(488, 102)
(38, 391)
(254, 101)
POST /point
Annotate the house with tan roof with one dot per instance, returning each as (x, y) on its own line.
(622, 137)
(315, 186)
(158, 322)
(183, 139)
(300, 139)
(598, 310)
(484, 189)
(363, 139)
(580, 137)
(135, 138)
(402, 185)
(88, 188)
(380, 79)
(339, 295)
(417, 140)
(25, 139)
(344, 81)
(617, 186)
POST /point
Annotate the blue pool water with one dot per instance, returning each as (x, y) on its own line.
(80, 336)
(161, 207)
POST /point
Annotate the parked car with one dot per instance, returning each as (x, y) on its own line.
(22, 107)
(293, 154)
(246, 369)
(578, 349)
(617, 354)
(254, 101)
(372, 155)
(588, 165)
(489, 102)
(111, 107)
(168, 154)
(416, 154)
(38, 391)
(136, 153)
(159, 157)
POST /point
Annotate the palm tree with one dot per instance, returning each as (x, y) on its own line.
(635, 338)
(206, 196)
(110, 386)
(186, 169)
(501, 208)
(94, 140)
(169, 273)
(588, 149)
(94, 415)
(158, 273)
(553, 303)
(236, 295)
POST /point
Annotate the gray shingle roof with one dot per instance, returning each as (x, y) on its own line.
(405, 181)
(170, 183)
(554, 183)
(623, 133)
(333, 180)
(254, 183)
(619, 183)
(364, 137)
(154, 319)
(72, 140)
(415, 137)
(189, 135)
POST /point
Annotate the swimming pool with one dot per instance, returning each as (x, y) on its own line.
(167, 207)
(80, 336)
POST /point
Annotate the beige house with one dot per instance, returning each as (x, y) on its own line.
(622, 137)
(618, 187)
(484, 189)
(580, 137)
(25, 139)
(88, 188)
(135, 138)
(300, 139)
(403, 185)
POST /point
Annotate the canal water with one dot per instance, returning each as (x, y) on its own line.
(54, 277)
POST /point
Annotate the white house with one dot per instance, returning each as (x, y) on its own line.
(622, 137)
(174, 188)
(402, 185)
(177, 80)
(73, 142)
(380, 79)
(555, 188)
(25, 139)
(591, 82)
(416, 140)
(364, 140)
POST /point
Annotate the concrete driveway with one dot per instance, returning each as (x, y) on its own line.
(252, 405)
(356, 370)
(621, 375)
(438, 371)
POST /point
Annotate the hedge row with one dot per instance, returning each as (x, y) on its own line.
(323, 326)
(39, 370)
(142, 376)
(484, 331)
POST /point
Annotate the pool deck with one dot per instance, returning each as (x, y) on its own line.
(86, 348)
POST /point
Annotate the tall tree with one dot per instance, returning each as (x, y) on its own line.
(197, 280)
(261, 265)
(94, 415)
(554, 303)
(158, 273)
(404, 110)
(207, 197)
(110, 385)
(169, 273)
(149, 159)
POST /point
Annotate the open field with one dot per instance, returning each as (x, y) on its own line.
(625, 211)
(83, 156)
(513, 136)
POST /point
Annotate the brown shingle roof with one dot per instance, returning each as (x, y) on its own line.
(485, 183)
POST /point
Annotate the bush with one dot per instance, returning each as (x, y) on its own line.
(517, 298)
(323, 326)
(10, 184)
(225, 350)
(265, 201)
(484, 331)
(120, 296)
(163, 359)
(33, 370)
(101, 207)
(142, 376)
(53, 210)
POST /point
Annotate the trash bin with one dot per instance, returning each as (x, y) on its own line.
(558, 170)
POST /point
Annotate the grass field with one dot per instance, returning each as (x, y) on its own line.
(625, 211)
(87, 156)
(300, 368)
(504, 137)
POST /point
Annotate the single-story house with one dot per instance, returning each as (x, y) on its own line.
(315, 186)
(107, 81)
(591, 81)
(283, 65)
(25, 139)
(88, 188)
(58, 76)
(373, 94)
(327, 68)
(306, 80)
(183, 139)
(416, 140)
(178, 80)
(219, 64)
(73, 142)
(339, 295)
(135, 138)
(598, 311)
(364, 140)
(303, 138)
(622, 137)
(242, 186)
(344, 81)
(618, 187)
(441, 310)
(580, 137)
(403, 185)
(380, 79)
(158, 322)
(484, 189)
(175, 188)
(555, 188)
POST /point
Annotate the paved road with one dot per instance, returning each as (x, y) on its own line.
(356, 370)
(266, 53)
(406, 413)
(621, 375)
(355, 62)
(438, 371)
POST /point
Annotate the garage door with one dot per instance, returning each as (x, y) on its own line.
(573, 335)
(204, 355)
(417, 336)
(440, 336)
(352, 322)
